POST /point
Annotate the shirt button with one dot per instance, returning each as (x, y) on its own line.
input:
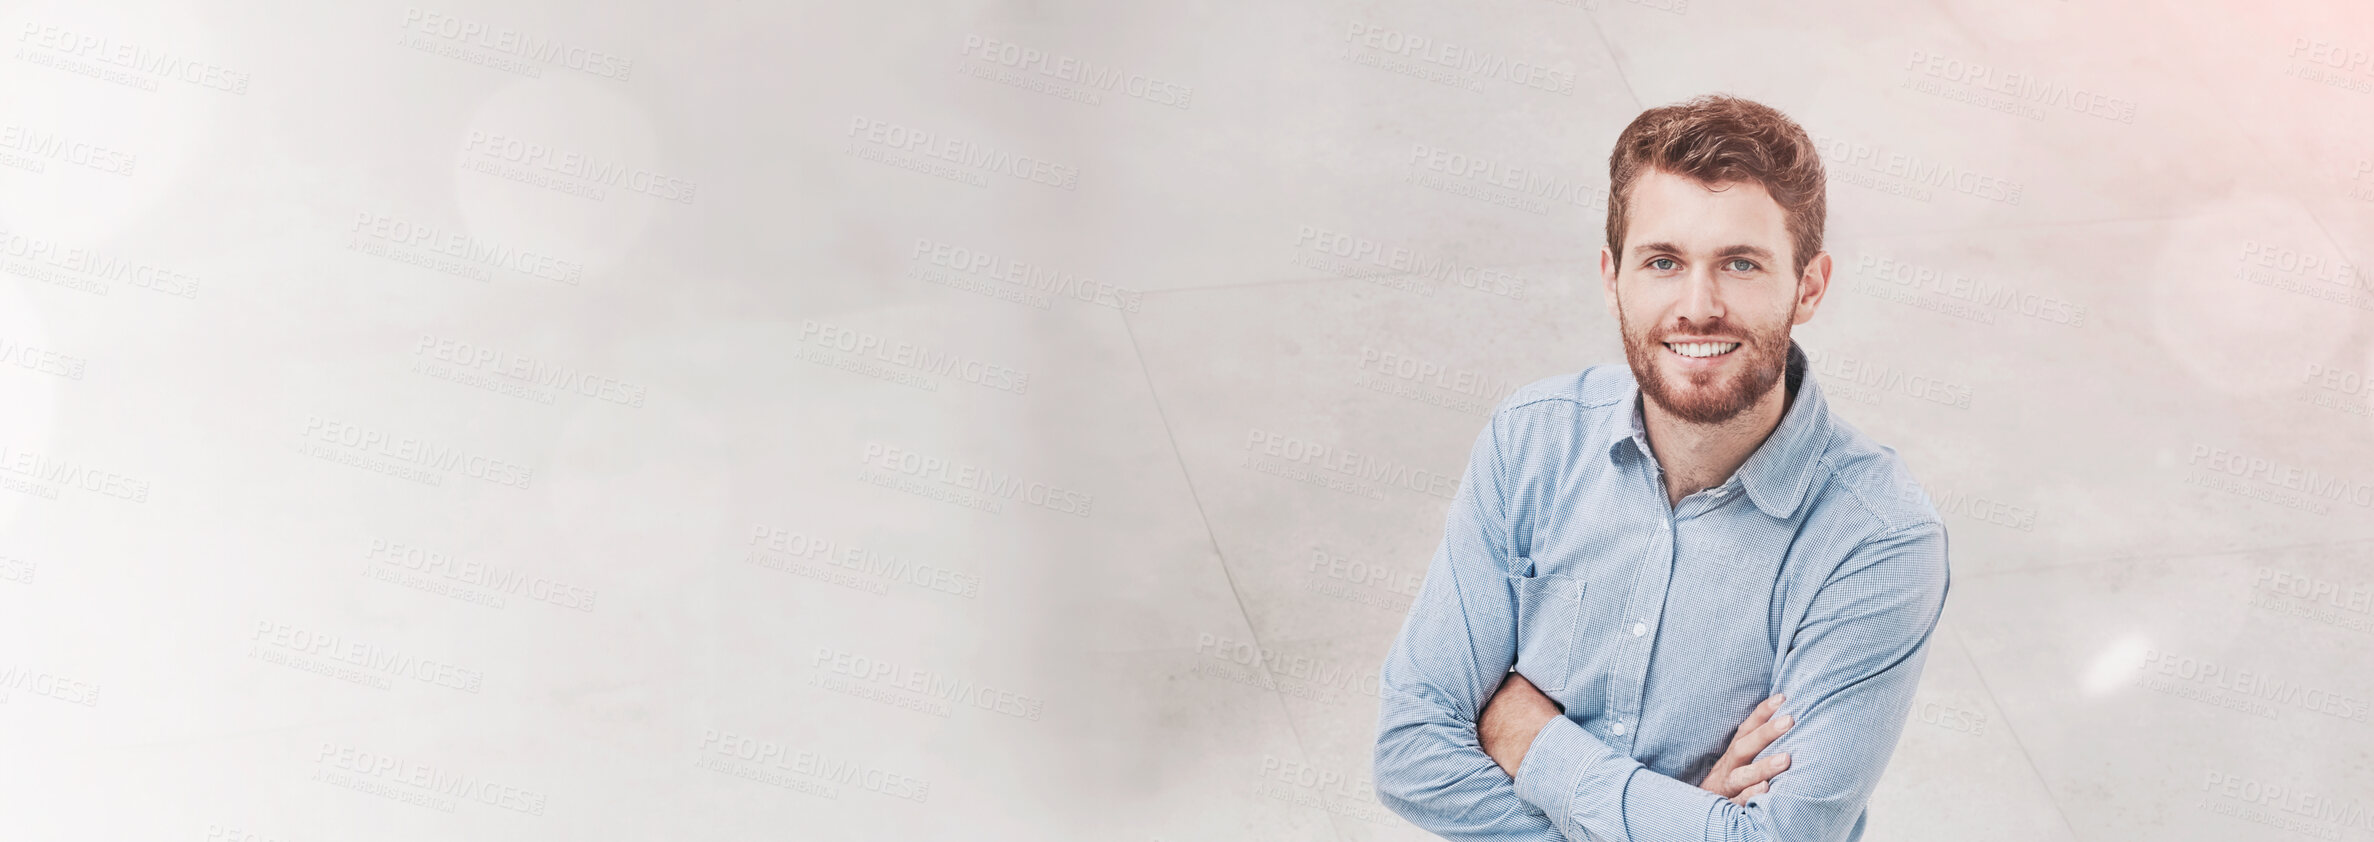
(1639, 629)
(1618, 728)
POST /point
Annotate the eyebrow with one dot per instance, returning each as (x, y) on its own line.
(1740, 250)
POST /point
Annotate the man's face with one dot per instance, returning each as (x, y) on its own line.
(1707, 294)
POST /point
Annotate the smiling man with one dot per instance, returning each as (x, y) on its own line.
(1675, 599)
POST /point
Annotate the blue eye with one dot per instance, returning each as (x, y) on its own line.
(1741, 264)
(1668, 266)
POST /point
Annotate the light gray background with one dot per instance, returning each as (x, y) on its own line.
(211, 624)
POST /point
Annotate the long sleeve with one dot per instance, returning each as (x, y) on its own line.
(1849, 672)
(1453, 651)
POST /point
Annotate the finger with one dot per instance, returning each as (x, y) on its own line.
(1743, 751)
(1762, 713)
(1741, 778)
(1754, 742)
(1742, 798)
(1757, 772)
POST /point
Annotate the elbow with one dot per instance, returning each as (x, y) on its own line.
(1390, 776)
(1403, 781)
(1389, 766)
(1411, 777)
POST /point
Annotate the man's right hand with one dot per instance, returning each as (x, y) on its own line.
(1739, 775)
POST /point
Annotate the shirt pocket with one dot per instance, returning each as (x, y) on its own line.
(1549, 619)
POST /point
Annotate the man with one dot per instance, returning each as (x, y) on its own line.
(1666, 550)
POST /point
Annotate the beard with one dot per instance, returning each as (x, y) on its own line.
(1706, 397)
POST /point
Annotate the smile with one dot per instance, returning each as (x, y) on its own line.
(1702, 349)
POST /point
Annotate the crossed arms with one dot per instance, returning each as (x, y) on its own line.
(1847, 678)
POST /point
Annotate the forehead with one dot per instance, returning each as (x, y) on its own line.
(1672, 208)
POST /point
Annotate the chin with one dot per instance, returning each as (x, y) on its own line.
(1717, 399)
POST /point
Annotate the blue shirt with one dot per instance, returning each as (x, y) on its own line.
(1817, 570)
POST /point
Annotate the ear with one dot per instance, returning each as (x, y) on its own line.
(1813, 287)
(1607, 280)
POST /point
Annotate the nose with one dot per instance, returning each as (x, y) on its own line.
(1702, 298)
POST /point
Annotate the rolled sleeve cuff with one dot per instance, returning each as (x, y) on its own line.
(1586, 789)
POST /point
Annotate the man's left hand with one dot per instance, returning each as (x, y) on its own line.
(1512, 719)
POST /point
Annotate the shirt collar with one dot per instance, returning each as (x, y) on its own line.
(1777, 474)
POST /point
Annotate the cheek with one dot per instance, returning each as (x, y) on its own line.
(1644, 309)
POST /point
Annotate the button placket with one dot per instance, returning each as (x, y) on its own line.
(1648, 599)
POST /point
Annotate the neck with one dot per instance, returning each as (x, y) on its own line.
(1696, 457)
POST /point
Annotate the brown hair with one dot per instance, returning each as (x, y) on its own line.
(1717, 139)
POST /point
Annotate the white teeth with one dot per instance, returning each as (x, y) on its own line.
(1702, 349)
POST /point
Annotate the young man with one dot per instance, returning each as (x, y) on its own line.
(1654, 573)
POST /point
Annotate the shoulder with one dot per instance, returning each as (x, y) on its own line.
(1867, 494)
(1596, 388)
(1562, 412)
